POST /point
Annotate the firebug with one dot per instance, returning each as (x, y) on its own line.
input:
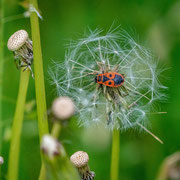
(111, 79)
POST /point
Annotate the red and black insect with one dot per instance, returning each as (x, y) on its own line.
(111, 79)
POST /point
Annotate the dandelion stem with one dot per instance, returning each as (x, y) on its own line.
(38, 72)
(17, 126)
(56, 129)
(1, 71)
(64, 169)
(162, 174)
(39, 77)
(115, 155)
(42, 175)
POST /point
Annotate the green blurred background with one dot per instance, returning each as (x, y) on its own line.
(155, 23)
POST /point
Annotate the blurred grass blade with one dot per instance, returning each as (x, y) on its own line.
(17, 126)
(1, 70)
(170, 167)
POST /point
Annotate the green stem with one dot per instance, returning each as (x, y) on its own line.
(115, 155)
(42, 175)
(39, 79)
(1, 71)
(162, 174)
(38, 73)
(17, 126)
(56, 129)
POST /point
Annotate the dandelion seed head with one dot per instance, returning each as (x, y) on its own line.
(116, 51)
(63, 107)
(17, 40)
(50, 146)
(79, 158)
(22, 49)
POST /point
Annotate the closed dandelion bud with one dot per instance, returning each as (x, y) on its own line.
(63, 108)
(50, 146)
(112, 79)
(80, 160)
(22, 48)
(1, 160)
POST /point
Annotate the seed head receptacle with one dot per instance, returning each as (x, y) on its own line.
(22, 48)
(80, 160)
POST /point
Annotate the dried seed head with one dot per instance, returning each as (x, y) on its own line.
(22, 48)
(17, 40)
(50, 146)
(172, 166)
(63, 108)
(80, 160)
(1, 160)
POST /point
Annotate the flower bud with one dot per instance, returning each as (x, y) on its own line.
(50, 146)
(80, 160)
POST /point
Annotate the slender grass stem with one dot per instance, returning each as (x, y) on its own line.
(39, 79)
(115, 155)
(1, 71)
(17, 126)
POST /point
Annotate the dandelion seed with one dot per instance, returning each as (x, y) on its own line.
(22, 48)
(80, 160)
(33, 9)
(26, 14)
(121, 101)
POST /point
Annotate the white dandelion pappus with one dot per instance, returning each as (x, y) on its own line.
(123, 107)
